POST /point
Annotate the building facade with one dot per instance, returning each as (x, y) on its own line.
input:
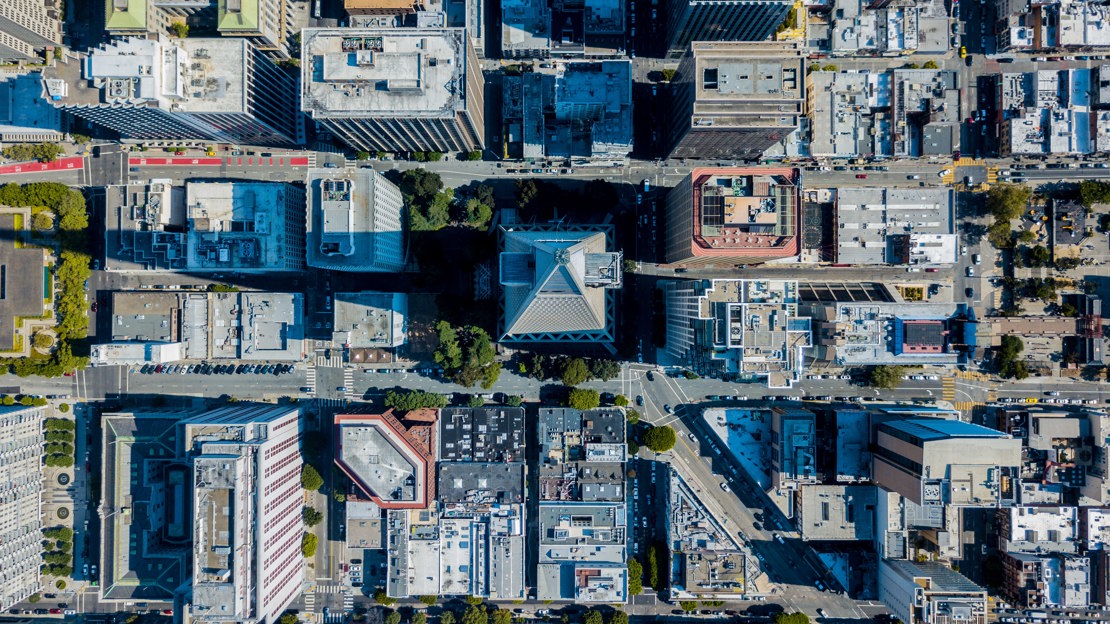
(413, 89)
(21, 511)
(721, 20)
(738, 100)
(26, 28)
(196, 89)
(354, 221)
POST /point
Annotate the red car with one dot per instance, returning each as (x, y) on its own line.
(861, 176)
(56, 611)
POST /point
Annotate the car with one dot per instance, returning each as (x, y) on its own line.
(1051, 393)
(963, 51)
(93, 570)
(650, 376)
(913, 177)
(969, 292)
(977, 259)
(944, 173)
(861, 176)
(932, 270)
(85, 570)
(639, 400)
(341, 389)
(778, 538)
(330, 165)
(690, 434)
(821, 612)
(724, 487)
(971, 271)
(667, 408)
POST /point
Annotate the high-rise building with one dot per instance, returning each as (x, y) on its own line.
(262, 22)
(721, 20)
(747, 329)
(223, 90)
(933, 461)
(20, 503)
(410, 89)
(354, 221)
(26, 27)
(391, 461)
(735, 100)
(247, 500)
(558, 284)
(720, 217)
(265, 23)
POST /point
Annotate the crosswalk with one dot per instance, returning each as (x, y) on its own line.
(310, 378)
(967, 406)
(326, 403)
(973, 375)
(348, 602)
(330, 589)
(948, 389)
(334, 361)
(348, 379)
(310, 602)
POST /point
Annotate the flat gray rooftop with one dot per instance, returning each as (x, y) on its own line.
(381, 460)
(484, 434)
(481, 483)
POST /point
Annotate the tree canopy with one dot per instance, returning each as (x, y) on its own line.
(1008, 201)
(408, 400)
(635, 577)
(310, 478)
(660, 439)
(311, 516)
(583, 398)
(308, 545)
(790, 618)
(467, 355)
(574, 371)
(1006, 358)
(428, 202)
(886, 377)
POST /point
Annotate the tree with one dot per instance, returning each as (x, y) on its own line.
(1094, 192)
(526, 191)
(653, 567)
(574, 371)
(605, 369)
(467, 355)
(428, 600)
(593, 616)
(418, 618)
(1039, 256)
(310, 478)
(288, 618)
(1026, 236)
(931, 65)
(382, 598)
(689, 606)
(618, 617)
(620, 400)
(477, 214)
(474, 155)
(362, 155)
(501, 616)
(419, 156)
(408, 400)
(484, 194)
(1008, 201)
(1006, 358)
(447, 617)
(635, 577)
(790, 618)
(308, 545)
(80, 138)
(222, 288)
(475, 400)
(660, 439)
(633, 416)
(583, 399)
(42, 340)
(668, 74)
(435, 156)
(885, 377)
(42, 222)
(514, 400)
(311, 516)
(180, 29)
(393, 617)
(475, 615)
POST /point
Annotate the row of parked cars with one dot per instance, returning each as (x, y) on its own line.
(216, 369)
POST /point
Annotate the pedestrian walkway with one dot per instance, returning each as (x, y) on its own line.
(310, 378)
(948, 389)
(967, 406)
(330, 589)
(310, 602)
(334, 361)
(348, 379)
(974, 375)
(348, 602)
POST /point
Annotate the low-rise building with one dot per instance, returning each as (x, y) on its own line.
(1039, 530)
(24, 278)
(930, 593)
(354, 221)
(25, 117)
(525, 29)
(887, 28)
(906, 333)
(836, 512)
(576, 110)
(370, 320)
(884, 226)
(748, 329)
(204, 227)
(391, 461)
(793, 448)
(1051, 112)
(248, 326)
(1047, 580)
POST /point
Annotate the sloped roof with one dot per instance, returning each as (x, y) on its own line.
(544, 279)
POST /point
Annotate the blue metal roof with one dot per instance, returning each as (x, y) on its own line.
(939, 429)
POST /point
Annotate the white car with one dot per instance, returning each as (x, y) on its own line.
(944, 173)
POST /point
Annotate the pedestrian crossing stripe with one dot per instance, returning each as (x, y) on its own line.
(974, 375)
(948, 389)
(967, 406)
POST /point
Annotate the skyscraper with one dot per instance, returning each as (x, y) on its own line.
(721, 20)
(20, 503)
(399, 89)
(354, 221)
(223, 90)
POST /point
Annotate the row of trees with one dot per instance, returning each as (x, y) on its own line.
(59, 450)
(42, 152)
(408, 400)
(1006, 358)
(572, 371)
(433, 207)
(467, 355)
(1005, 202)
(57, 552)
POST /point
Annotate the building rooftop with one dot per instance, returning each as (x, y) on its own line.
(557, 282)
(144, 227)
(837, 512)
(896, 226)
(525, 27)
(934, 577)
(125, 15)
(846, 114)
(23, 280)
(1096, 529)
(380, 455)
(481, 434)
(392, 71)
(884, 332)
(242, 226)
(353, 220)
(368, 320)
(200, 75)
(1041, 529)
(1082, 24)
(481, 483)
(23, 109)
(745, 211)
(930, 429)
